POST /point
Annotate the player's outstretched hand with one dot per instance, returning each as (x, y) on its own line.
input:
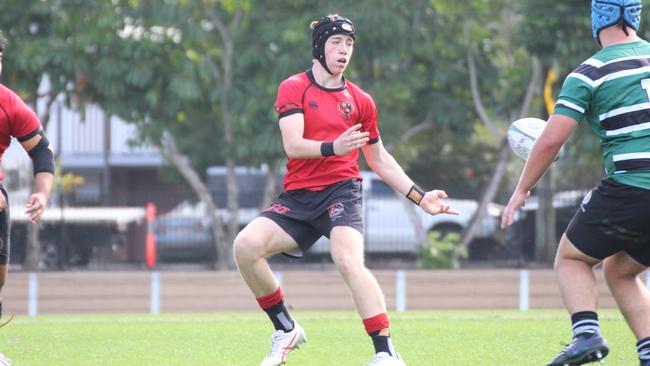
(350, 140)
(35, 207)
(518, 199)
(432, 203)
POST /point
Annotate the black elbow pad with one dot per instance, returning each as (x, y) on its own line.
(42, 156)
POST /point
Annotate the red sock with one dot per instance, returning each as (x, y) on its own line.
(374, 326)
(376, 323)
(267, 301)
(273, 305)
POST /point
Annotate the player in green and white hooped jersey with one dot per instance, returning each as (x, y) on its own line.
(611, 91)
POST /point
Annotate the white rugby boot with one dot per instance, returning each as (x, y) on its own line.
(385, 359)
(282, 343)
(4, 361)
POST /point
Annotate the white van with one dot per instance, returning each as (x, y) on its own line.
(388, 228)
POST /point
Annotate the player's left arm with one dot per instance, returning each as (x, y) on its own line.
(383, 163)
(541, 156)
(40, 151)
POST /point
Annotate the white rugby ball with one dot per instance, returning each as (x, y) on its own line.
(522, 134)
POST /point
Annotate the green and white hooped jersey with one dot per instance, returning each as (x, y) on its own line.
(612, 90)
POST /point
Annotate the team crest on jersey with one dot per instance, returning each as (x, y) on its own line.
(336, 210)
(345, 108)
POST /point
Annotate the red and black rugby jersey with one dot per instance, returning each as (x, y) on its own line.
(327, 114)
(16, 119)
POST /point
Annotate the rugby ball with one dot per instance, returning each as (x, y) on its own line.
(522, 134)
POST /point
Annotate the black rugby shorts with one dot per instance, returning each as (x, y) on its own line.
(613, 217)
(308, 215)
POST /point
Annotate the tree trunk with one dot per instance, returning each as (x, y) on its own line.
(45, 116)
(233, 201)
(491, 190)
(223, 247)
(545, 233)
(414, 219)
(269, 189)
(33, 251)
(545, 215)
(33, 248)
(226, 34)
(488, 194)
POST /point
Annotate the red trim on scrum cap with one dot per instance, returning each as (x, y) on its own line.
(270, 300)
(376, 323)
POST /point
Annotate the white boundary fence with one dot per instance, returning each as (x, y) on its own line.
(171, 291)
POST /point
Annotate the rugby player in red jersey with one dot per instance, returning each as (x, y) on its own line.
(17, 120)
(325, 120)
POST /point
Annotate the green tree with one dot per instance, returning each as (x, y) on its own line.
(199, 77)
(559, 34)
(412, 48)
(49, 40)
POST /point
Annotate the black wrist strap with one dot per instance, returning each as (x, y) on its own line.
(327, 149)
(416, 194)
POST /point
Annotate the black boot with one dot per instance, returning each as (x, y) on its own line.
(582, 350)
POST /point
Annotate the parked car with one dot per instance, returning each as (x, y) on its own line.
(77, 236)
(523, 234)
(183, 235)
(388, 228)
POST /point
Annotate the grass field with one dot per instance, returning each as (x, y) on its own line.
(450, 338)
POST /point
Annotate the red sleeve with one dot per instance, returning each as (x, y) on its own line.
(289, 100)
(368, 118)
(23, 120)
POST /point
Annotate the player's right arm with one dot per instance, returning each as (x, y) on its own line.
(573, 101)
(542, 155)
(40, 151)
(27, 129)
(290, 110)
(297, 147)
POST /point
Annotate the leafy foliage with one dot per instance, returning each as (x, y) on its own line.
(160, 65)
(443, 250)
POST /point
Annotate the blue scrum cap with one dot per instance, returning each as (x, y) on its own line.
(605, 13)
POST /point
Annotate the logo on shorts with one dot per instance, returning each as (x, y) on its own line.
(345, 108)
(278, 208)
(336, 210)
(585, 201)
